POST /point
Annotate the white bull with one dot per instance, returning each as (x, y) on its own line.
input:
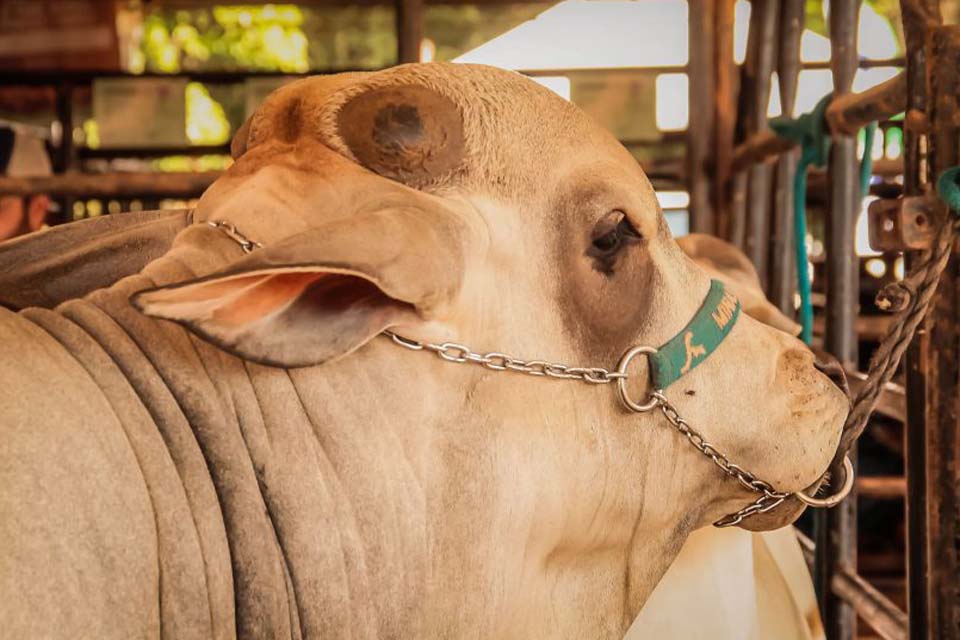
(267, 464)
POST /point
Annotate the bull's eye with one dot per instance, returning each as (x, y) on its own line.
(611, 235)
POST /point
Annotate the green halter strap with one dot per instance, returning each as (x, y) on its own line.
(696, 341)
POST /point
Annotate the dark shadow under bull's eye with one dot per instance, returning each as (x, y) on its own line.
(611, 234)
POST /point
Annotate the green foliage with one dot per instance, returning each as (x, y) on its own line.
(815, 20)
(267, 37)
(282, 38)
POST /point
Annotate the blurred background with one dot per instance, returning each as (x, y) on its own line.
(160, 86)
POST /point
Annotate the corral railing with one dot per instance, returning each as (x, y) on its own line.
(746, 195)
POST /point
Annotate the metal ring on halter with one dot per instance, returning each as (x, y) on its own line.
(835, 499)
(622, 380)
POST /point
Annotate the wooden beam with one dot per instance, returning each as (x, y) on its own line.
(883, 616)
(882, 486)
(876, 609)
(700, 128)
(112, 185)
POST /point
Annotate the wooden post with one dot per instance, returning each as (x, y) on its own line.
(409, 30)
(836, 529)
(759, 68)
(700, 127)
(725, 117)
(783, 276)
(64, 154)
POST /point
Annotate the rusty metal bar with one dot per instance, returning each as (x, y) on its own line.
(941, 541)
(701, 124)
(760, 69)
(112, 185)
(877, 610)
(917, 14)
(783, 277)
(836, 529)
(846, 115)
(760, 147)
(409, 15)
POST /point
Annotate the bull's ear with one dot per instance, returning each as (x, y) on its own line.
(323, 293)
(408, 133)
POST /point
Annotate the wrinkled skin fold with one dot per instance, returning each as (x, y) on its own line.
(222, 445)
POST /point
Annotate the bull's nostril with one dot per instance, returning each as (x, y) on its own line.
(831, 367)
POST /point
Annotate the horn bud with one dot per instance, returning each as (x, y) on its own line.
(408, 133)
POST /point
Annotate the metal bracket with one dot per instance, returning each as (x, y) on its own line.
(903, 224)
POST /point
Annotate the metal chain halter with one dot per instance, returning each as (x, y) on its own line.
(454, 352)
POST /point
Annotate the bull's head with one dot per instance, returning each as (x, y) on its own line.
(469, 204)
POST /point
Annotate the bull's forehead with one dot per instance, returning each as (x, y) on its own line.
(518, 138)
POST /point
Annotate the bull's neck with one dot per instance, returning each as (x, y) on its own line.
(407, 496)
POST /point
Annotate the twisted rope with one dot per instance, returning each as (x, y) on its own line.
(910, 299)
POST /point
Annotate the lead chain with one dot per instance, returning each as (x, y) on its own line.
(453, 352)
(769, 498)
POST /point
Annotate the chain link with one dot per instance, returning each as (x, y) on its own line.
(769, 498)
(234, 234)
(495, 361)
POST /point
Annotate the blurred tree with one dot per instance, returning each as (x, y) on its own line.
(284, 38)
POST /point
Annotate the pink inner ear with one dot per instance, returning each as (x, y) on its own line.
(263, 295)
(242, 300)
(254, 298)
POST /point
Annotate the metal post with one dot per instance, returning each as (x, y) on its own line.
(836, 528)
(759, 68)
(409, 15)
(783, 275)
(700, 126)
